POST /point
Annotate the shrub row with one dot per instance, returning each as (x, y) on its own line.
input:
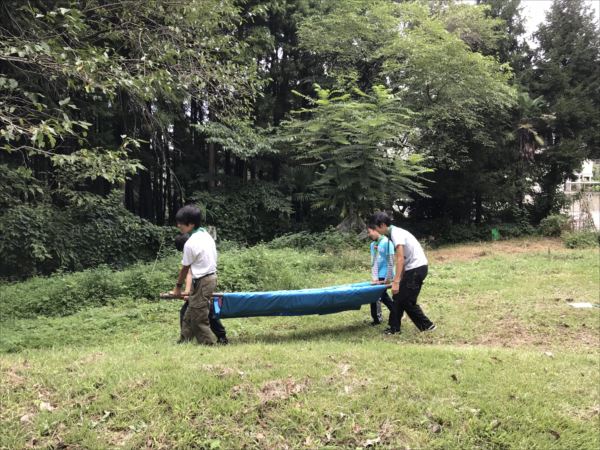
(250, 269)
(43, 239)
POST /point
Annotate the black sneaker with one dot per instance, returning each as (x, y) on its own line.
(430, 328)
(375, 323)
(222, 341)
(391, 331)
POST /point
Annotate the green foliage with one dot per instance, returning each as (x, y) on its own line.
(437, 233)
(249, 212)
(581, 239)
(359, 146)
(172, 56)
(18, 185)
(554, 225)
(42, 239)
(65, 294)
(330, 240)
(239, 137)
(160, 99)
(565, 73)
(258, 268)
(475, 26)
(95, 93)
(428, 54)
(113, 376)
(264, 268)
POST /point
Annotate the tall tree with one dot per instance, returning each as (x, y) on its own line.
(431, 59)
(94, 88)
(360, 147)
(567, 74)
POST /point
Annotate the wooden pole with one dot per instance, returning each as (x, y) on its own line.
(170, 296)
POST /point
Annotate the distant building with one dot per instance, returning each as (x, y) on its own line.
(583, 193)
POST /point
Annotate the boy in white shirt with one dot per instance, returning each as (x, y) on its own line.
(411, 270)
(199, 257)
(215, 323)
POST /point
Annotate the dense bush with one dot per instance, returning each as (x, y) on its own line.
(581, 239)
(64, 294)
(438, 233)
(252, 212)
(258, 268)
(41, 239)
(252, 269)
(326, 241)
(264, 268)
(554, 225)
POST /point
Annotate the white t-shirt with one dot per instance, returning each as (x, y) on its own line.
(414, 256)
(200, 252)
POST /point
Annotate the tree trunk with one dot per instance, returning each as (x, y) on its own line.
(478, 208)
(145, 198)
(353, 223)
(212, 172)
(228, 163)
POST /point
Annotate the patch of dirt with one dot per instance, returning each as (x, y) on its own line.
(119, 438)
(139, 384)
(511, 332)
(92, 358)
(14, 375)
(344, 368)
(353, 384)
(222, 370)
(276, 390)
(13, 378)
(468, 252)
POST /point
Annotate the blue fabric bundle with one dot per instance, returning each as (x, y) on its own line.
(297, 303)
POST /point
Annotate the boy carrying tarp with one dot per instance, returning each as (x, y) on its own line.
(215, 324)
(199, 258)
(382, 271)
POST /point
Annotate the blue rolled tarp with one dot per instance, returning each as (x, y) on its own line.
(298, 302)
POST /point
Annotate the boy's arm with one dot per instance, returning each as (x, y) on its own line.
(374, 267)
(399, 269)
(180, 279)
(390, 265)
(188, 282)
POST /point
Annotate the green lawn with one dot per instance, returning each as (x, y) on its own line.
(511, 365)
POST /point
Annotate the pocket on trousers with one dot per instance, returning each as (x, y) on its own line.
(414, 281)
(208, 288)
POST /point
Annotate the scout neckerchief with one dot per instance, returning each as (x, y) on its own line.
(196, 230)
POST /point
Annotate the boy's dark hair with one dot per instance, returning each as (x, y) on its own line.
(180, 241)
(187, 215)
(379, 218)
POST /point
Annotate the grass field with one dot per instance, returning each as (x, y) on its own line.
(511, 366)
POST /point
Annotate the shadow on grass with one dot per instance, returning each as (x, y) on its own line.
(347, 332)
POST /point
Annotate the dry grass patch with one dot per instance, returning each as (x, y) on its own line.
(466, 252)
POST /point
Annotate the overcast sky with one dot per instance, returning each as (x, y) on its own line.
(534, 12)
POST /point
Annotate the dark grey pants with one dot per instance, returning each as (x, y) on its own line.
(215, 324)
(376, 313)
(406, 300)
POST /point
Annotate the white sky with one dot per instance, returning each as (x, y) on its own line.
(534, 11)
